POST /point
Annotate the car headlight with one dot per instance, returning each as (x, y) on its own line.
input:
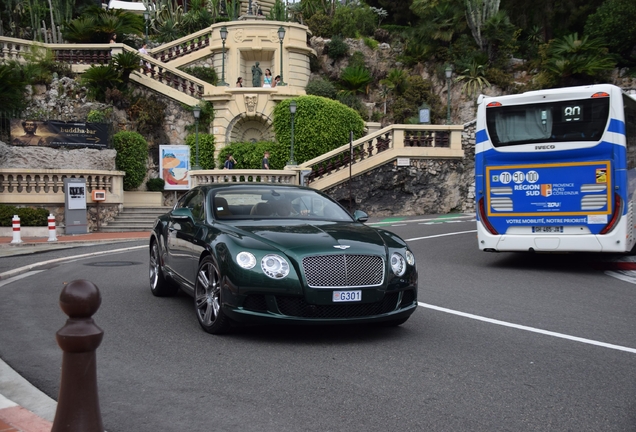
(410, 258)
(275, 266)
(246, 260)
(398, 265)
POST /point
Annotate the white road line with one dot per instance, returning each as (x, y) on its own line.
(22, 276)
(529, 329)
(21, 270)
(398, 225)
(441, 235)
(440, 219)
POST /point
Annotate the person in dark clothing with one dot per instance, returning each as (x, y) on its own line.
(265, 161)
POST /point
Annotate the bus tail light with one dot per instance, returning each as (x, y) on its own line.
(600, 94)
(616, 215)
(494, 104)
(484, 219)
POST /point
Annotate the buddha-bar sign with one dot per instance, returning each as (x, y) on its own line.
(54, 133)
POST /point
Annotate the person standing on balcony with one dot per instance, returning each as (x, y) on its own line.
(276, 81)
(257, 72)
(113, 38)
(239, 82)
(229, 162)
(267, 80)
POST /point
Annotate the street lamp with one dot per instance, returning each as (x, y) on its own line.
(223, 32)
(449, 74)
(292, 110)
(281, 36)
(146, 17)
(196, 110)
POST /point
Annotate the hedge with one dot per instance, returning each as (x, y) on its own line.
(249, 155)
(132, 157)
(206, 150)
(320, 125)
(29, 216)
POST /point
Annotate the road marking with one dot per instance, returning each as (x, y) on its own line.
(25, 269)
(440, 219)
(441, 235)
(394, 225)
(15, 278)
(529, 329)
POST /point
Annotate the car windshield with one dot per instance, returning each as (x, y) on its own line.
(275, 203)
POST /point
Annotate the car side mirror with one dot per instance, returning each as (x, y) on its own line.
(182, 214)
(360, 216)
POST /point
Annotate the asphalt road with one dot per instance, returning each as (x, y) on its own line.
(505, 342)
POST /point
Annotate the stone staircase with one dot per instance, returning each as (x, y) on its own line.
(135, 219)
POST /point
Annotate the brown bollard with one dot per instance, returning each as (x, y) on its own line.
(78, 401)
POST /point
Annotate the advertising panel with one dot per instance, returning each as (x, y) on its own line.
(174, 166)
(53, 133)
(564, 189)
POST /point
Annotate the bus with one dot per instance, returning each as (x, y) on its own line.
(555, 170)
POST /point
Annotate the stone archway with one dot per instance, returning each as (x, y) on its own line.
(250, 129)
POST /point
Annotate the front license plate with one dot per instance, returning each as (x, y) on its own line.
(347, 296)
(547, 229)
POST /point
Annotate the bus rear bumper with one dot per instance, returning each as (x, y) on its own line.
(612, 242)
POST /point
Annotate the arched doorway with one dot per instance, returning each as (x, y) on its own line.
(250, 129)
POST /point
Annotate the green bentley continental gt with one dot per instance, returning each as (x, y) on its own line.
(270, 253)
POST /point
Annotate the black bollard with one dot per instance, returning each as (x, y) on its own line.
(78, 401)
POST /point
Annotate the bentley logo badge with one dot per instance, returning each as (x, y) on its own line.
(343, 247)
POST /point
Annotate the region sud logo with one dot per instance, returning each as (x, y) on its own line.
(546, 190)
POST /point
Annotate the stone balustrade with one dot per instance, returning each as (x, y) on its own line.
(392, 142)
(182, 47)
(46, 186)
(285, 176)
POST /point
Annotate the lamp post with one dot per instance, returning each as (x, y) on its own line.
(146, 17)
(196, 110)
(281, 36)
(223, 32)
(449, 74)
(292, 110)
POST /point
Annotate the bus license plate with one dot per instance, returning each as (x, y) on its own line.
(547, 229)
(347, 296)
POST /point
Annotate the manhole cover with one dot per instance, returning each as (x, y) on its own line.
(113, 264)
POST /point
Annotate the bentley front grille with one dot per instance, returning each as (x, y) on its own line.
(343, 271)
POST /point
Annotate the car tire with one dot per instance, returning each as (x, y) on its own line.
(159, 285)
(207, 298)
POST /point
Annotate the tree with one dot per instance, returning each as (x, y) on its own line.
(572, 61)
(478, 12)
(614, 23)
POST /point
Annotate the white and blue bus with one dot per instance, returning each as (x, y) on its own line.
(555, 170)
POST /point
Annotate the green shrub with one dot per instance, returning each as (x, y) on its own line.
(321, 87)
(206, 150)
(206, 74)
(96, 116)
(155, 184)
(320, 126)
(132, 156)
(371, 43)
(248, 155)
(29, 216)
(148, 114)
(337, 48)
(354, 21)
(320, 25)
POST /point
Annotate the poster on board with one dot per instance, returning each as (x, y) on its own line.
(174, 166)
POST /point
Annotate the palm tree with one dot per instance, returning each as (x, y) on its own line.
(355, 80)
(576, 61)
(474, 79)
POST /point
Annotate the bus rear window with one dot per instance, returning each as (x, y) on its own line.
(564, 121)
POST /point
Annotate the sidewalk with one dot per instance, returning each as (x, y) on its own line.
(13, 417)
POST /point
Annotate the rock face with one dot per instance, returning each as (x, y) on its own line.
(49, 158)
(428, 186)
